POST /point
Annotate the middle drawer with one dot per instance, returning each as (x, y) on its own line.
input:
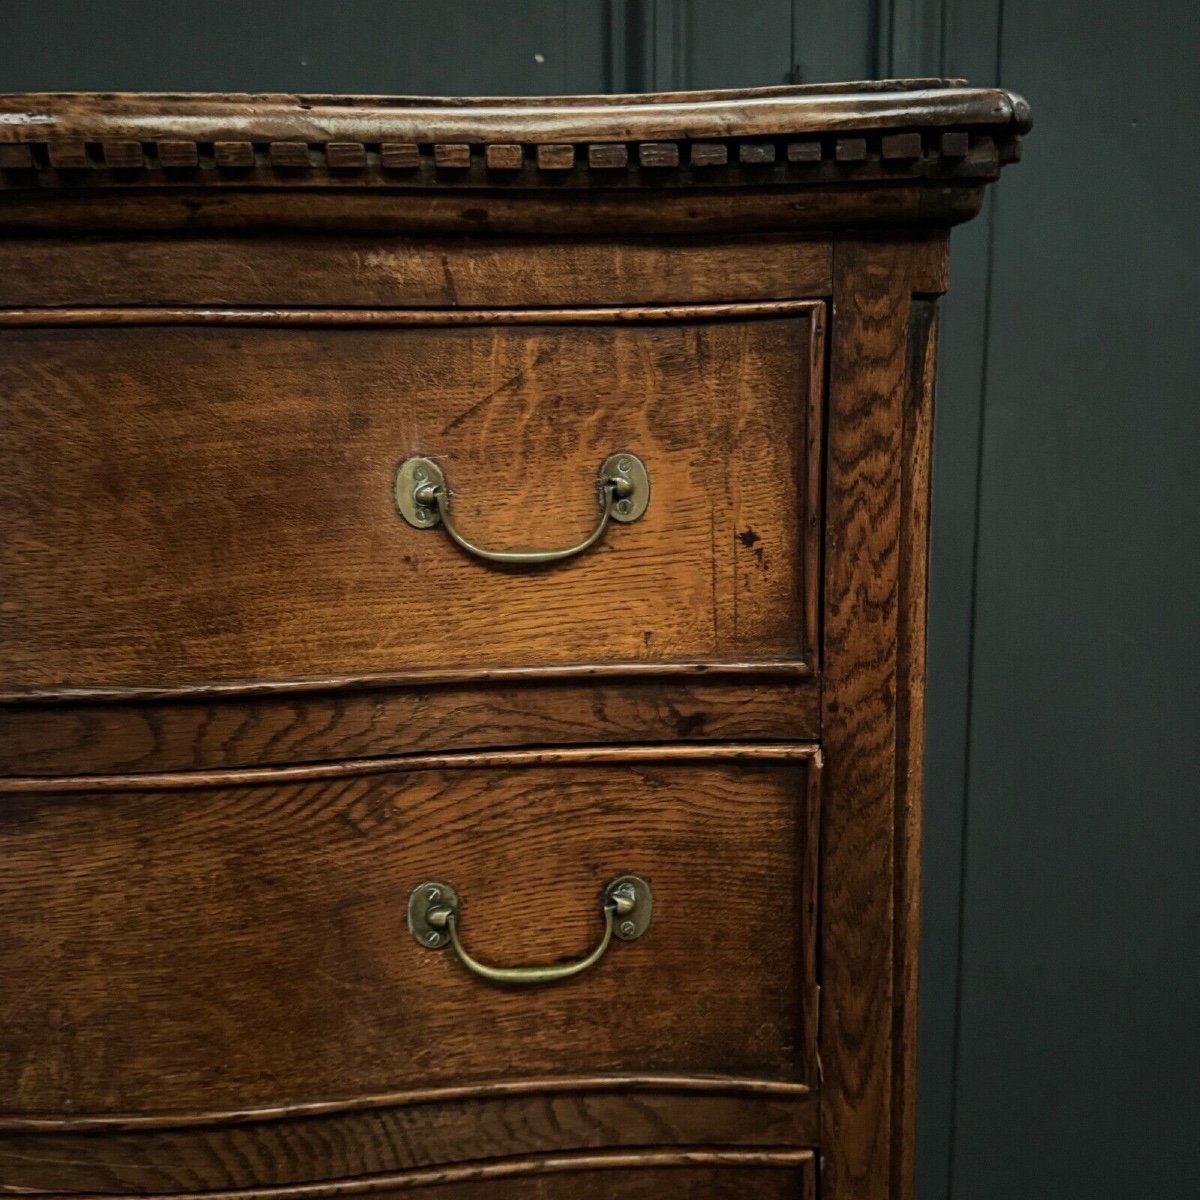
(211, 944)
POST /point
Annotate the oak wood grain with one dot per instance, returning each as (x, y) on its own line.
(693, 1174)
(243, 942)
(331, 272)
(239, 524)
(231, 1151)
(876, 484)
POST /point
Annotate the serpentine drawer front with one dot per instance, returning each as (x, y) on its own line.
(245, 481)
(462, 591)
(248, 944)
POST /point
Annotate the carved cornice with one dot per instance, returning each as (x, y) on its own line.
(915, 130)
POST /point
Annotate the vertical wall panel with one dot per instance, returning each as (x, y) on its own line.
(681, 44)
(411, 48)
(969, 48)
(1081, 981)
(735, 45)
(833, 40)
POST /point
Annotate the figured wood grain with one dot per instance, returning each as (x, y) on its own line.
(243, 942)
(227, 1151)
(240, 524)
(346, 156)
(876, 480)
(310, 726)
(451, 156)
(329, 272)
(399, 156)
(693, 1174)
(288, 155)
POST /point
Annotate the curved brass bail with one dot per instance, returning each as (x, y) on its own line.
(532, 974)
(433, 917)
(441, 499)
(423, 499)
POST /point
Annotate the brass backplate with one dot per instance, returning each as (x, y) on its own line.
(412, 474)
(431, 900)
(430, 897)
(630, 926)
(625, 469)
(628, 469)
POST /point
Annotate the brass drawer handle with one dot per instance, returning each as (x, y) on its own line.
(433, 913)
(423, 498)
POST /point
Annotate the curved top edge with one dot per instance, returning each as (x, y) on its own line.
(888, 104)
(383, 100)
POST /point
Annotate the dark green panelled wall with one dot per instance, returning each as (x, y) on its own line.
(1060, 1052)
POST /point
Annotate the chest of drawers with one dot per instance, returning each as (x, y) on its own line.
(461, 638)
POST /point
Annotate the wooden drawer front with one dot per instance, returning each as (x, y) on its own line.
(648, 1175)
(199, 503)
(637, 1174)
(166, 1155)
(230, 945)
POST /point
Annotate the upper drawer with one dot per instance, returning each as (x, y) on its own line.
(210, 498)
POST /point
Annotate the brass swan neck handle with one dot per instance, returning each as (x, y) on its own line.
(434, 911)
(423, 500)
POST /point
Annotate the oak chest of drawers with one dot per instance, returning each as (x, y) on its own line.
(461, 638)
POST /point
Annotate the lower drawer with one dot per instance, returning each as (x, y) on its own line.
(211, 947)
(648, 1175)
(340, 1146)
(624, 1175)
